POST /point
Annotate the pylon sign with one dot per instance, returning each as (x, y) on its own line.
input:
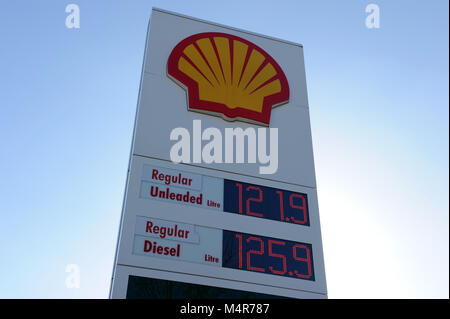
(221, 194)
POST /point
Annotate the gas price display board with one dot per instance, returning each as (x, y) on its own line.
(237, 197)
(236, 227)
(175, 234)
(165, 239)
(219, 247)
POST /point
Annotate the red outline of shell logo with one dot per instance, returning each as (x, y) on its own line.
(228, 76)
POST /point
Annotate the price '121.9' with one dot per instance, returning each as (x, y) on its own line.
(266, 202)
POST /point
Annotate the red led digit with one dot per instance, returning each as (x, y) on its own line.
(255, 252)
(281, 205)
(258, 200)
(239, 185)
(283, 257)
(301, 207)
(240, 249)
(307, 260)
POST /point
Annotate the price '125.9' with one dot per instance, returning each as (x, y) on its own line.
(267, 255)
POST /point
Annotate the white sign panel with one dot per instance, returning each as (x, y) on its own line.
(221, 185)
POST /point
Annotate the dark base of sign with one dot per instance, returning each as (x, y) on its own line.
(150, 288)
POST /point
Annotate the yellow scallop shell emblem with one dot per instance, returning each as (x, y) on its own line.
(228, 76)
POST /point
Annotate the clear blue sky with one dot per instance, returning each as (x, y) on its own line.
(380, 121)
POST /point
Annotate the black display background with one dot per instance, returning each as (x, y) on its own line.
(269, 207)
(230, 255)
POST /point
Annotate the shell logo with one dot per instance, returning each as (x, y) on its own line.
(228, 76)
